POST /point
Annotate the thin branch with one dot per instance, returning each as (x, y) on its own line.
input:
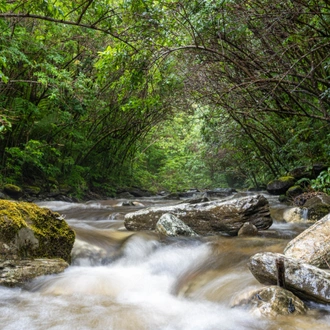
(61, 21)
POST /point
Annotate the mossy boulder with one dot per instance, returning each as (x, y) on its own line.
(12, 191)
(280, 185)
(29, 231)
(294, 191)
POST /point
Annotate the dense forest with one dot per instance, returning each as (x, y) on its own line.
(162, 94)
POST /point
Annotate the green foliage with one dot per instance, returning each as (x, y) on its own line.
(322, 182)
(99, 93)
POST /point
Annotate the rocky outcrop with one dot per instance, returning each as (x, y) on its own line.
(305, 281)
(312, 246)
(170, 225)
(270, 302)
(17, 272)
(280, 185)
(28, 231)
(210, 218)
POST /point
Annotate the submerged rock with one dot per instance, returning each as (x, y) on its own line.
(270, 302)
(29, 231)
(312, 246)
(17, 272)
(170, 225)
(305, 281)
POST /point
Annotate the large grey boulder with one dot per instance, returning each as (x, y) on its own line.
(210, 218)
(170, 225)
(305, 281)
(270, 302)
(312, 246)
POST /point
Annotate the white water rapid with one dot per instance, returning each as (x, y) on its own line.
(121, 280)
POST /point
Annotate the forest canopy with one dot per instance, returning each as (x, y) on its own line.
(100, 94)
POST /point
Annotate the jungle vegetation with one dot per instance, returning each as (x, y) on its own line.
(162, 94)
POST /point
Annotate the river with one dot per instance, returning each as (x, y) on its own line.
(121, 280)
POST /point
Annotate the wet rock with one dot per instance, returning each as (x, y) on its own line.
(318, 206)
(312, 246)
(248, 229)
(221, 192)
(17, 272)
(210, 218)
(280, 185)
(197, 200)
(84, 253)
(29, 231)
(125, 194)
(170, 225)
(295, 214)
(270, 302)
(305, 281)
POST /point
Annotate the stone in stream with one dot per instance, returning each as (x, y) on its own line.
(312, 246)
(17, 272)
(305, 281)
(210, 218)
(29, 233)
(170, 225)
(248, 229)
(270, 302)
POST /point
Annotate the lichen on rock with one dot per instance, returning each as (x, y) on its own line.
(29, 231)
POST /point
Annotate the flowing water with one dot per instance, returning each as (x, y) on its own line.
(121, 280)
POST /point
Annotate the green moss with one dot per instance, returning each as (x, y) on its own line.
(55, 237)
(287, 178)
(12, 188)
(11, 220)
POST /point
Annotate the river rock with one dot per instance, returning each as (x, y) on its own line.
(270, 302)
(295, 214)
(248, 229)
(318, 206)
(18, 272)
(221, 192)
(280, 185)
(306, 281)
(170, 225)
(312, 246)
(29, 231)
(210, 218)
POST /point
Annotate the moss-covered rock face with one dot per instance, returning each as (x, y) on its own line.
(26, 230)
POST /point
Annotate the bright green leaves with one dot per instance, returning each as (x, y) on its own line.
(5, 125)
